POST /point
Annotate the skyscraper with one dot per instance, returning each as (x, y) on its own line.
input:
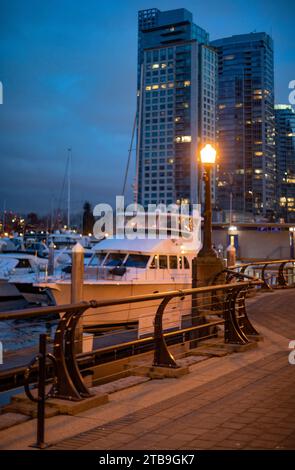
(177, 77)
(246, 125)
(285, 154)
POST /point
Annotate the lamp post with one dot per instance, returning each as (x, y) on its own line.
(206, 264)
(208, 155)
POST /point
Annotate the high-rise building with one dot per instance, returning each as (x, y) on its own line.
(285, 157)
(177, 72)
(245, 130)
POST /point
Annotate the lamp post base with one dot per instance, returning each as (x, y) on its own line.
(206, 267)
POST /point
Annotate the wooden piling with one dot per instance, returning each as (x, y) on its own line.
(77, 288)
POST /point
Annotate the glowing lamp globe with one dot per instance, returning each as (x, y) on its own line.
(208, 154)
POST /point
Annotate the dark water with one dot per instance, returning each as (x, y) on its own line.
(19, 334)
(20, 341)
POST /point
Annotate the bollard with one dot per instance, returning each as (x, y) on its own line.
(51, 259)
(77, 279)
(231, 256)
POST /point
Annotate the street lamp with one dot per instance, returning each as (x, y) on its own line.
(208, 156)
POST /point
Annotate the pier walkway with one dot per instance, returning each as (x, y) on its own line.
(239, 401)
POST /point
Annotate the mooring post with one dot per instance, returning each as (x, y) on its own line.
(51, 259)
(231, 255)
(77, 288)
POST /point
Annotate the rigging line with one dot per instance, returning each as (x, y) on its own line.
(129, 154)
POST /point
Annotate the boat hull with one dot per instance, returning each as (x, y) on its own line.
(128, 313)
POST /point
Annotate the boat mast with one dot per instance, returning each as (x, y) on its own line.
(69, 186)
(129, 154)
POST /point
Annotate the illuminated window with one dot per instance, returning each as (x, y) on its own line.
(163, 85)
(222, 106)
(283, 201)
(148, 88)
(155, 87)
(229, 57)
(187, 83)
(239, 105)
(177, 119)
(183, 138)
(170, 85)
(170, 160)
(163, 66)
(155, 66)
(258, 154)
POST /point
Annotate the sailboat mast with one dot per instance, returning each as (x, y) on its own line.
(129, 154)
(69, 186)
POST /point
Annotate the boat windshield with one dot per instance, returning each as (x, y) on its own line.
(136, 261)
(115, 259)
(97, 259)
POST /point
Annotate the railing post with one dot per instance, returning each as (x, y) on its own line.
(41, 397)
(162, 357)
(244, 321)
(41, 393)
(281, 278)
(265, 283)
(232, 331)
(70, 384)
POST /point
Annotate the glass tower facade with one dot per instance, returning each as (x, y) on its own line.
(177, 72)
(246, 134)
(285, 153)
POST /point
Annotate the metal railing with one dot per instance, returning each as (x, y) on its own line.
(274, 273)
(221, 300)
(225, 301)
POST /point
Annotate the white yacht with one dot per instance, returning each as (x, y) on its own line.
(17, 266)
(121, 268)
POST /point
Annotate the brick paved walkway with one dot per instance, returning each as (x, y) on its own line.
(250, 408)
